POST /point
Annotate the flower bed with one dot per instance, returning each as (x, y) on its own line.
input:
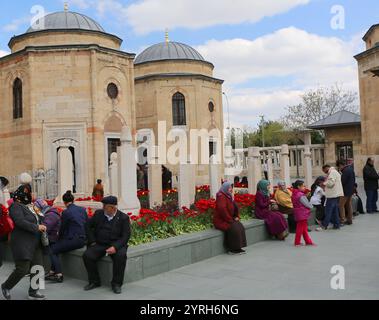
(168, 221)
(152, 225)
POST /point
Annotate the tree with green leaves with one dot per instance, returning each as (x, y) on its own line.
(317, 104)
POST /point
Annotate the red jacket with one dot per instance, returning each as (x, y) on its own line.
(225, 212)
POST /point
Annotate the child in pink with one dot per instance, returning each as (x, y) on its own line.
(302, 211)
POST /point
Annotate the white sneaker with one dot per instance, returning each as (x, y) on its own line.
(320, 229)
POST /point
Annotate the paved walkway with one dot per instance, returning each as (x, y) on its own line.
(269, 270)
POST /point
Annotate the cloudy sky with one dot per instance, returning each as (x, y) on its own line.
(268, 52)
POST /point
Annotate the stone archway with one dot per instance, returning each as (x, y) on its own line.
(70, 147)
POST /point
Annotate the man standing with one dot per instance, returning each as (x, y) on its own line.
(108, 233)
(333, 191)
(371, 177)
(265, 170)
(166, 178)
(348, 183)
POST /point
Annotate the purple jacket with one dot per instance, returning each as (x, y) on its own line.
(301, 212)
(52, 221)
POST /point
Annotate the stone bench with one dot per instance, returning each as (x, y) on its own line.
(162, 256)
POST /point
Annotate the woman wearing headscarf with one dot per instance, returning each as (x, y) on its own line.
(72, 235)
(52, 221)
(226, 218)
(275, 221)
(26, 242)
(283, 198)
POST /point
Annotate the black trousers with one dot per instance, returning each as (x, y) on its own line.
(3, 240)
(95, 253)
(22, 268)
(320, 212)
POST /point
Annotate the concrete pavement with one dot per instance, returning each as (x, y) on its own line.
(269, 270)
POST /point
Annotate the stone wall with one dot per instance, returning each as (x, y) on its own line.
(154, 101)
(65, 37)
(64, 97)
(369, 100)
(161, 256)
(344, 134)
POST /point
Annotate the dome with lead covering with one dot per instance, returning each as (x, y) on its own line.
(65, 20)
(168, 51)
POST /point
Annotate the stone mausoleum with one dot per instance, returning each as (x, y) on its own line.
(351, 136)
(69, 86)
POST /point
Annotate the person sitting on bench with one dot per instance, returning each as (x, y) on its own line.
(108, 233)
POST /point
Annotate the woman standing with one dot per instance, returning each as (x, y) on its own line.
(72, 235)
(226, 218)
(26, 244)
(275, 221)
(52, 221)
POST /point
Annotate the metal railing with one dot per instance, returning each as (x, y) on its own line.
(44, 183)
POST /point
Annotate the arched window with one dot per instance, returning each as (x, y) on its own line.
(211, 107)
(17, 99)
(179, 109)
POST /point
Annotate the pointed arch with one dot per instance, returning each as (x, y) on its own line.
(179, 109)
(17, 99)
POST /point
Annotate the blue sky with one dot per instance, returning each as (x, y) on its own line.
(268, 52)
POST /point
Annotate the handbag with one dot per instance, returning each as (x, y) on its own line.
(274, 207)
(6, 222)
(45, 239)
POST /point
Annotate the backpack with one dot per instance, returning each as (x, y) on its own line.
(6, 222)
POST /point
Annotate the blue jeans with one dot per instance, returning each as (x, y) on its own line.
(372, 199)
(332, 213)
(62, 246)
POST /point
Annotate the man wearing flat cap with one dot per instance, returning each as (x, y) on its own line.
(108, 233)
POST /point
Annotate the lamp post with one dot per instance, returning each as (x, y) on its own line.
(263, 130)
(297, 153)
(227, 103)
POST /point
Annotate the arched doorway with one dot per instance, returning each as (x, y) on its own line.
(74, 178)
(72, 146)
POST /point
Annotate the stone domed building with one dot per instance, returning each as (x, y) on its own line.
(67, 87)
(175, 84)
(66, 84)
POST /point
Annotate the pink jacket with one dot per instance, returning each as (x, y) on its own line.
(301, 212)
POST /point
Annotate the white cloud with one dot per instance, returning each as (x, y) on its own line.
(155, 15)
(247, 105)
(111, 6)
(310, 58)
(302, 59)
(15, 24)
(3, 53)
(81, 4)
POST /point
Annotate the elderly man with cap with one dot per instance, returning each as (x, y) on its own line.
(108, 233)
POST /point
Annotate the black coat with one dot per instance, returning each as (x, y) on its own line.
(370, 177)
(25, 237)
(73, 222)
(120, 234)
(348, 181)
